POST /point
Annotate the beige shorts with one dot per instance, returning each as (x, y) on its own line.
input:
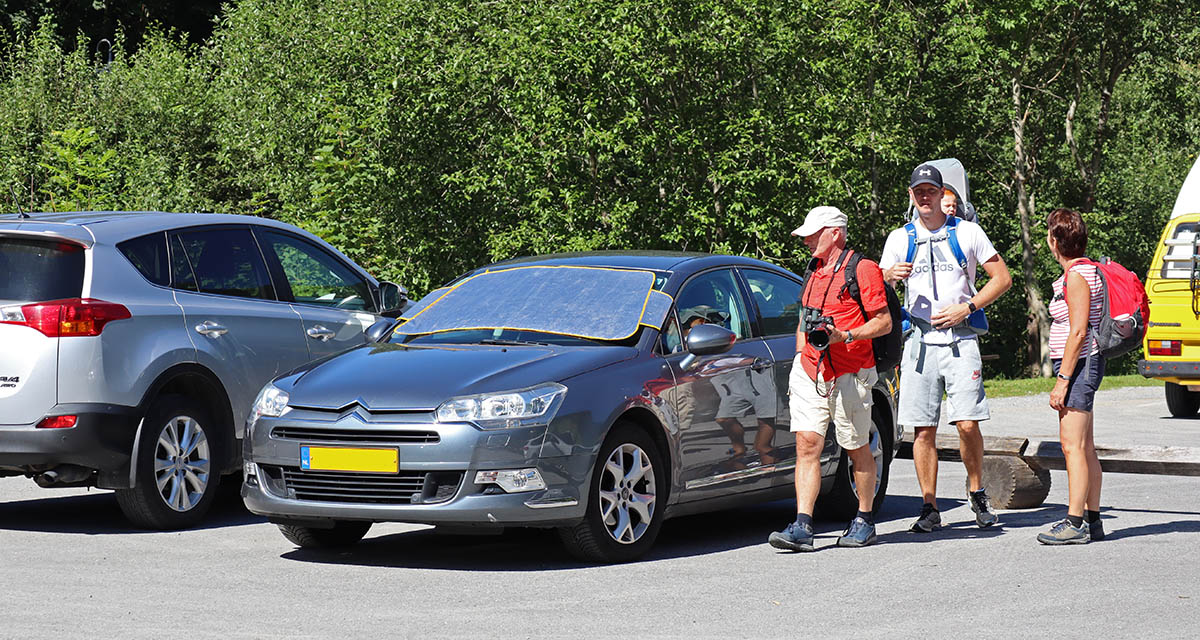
(848, 406)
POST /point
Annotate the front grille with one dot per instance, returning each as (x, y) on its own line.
(376, 436)
(407, 487)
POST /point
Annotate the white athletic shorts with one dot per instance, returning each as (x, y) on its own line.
(929, 370)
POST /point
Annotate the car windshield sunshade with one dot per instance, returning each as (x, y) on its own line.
(585, 302)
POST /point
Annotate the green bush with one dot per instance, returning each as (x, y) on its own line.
(424, 139)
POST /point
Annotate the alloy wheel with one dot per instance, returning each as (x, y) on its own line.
(182, 461)
(628, 493)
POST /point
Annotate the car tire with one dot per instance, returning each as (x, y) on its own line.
(344, 533)
(841, 503)
(619, 525)
(173, 491)
(1181, 402)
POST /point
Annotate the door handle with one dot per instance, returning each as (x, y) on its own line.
(760, 364)
(319, 332)
(211, 329)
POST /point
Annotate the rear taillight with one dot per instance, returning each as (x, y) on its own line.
(57, 422)
(1165, 347)
(64, 318)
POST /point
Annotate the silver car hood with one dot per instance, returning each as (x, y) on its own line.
(383, 377)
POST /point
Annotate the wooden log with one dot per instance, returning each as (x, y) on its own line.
(1014, 483)
(947, 446)
(1166, 461)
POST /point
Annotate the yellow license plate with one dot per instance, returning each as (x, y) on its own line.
(349, 459)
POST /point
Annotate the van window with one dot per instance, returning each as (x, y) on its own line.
(38, 270)
(149, 255)
(1177, 260)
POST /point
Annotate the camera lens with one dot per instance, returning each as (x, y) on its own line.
(818, 338)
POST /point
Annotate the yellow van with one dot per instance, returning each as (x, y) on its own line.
(1172, 344)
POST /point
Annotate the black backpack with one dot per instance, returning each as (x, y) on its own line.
(889, 347)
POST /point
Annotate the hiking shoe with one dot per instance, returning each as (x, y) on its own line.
(860, 533)
(1062, 532)
(929, 520)
(795, 537)
(984, 517)
(1095, 531)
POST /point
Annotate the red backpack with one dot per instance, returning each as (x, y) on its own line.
(1126, 309)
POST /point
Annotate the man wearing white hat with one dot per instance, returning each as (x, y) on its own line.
(833, 374)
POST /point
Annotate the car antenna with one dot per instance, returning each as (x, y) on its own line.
(20, 214)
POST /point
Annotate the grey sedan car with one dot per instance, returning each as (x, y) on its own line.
(596, 393)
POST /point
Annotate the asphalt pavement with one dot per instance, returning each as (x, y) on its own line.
(72, 568)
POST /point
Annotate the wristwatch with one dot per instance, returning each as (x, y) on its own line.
(972, 307)
(849, 337)
(1062, 377)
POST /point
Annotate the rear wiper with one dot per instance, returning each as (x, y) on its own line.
(512, 343)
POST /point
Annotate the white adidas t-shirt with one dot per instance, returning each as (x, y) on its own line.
(937, 281)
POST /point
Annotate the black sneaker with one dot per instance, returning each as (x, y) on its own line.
(929, 520)
(984, 517)
(795, 537)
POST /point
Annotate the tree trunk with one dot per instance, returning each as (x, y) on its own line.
(1038, 327)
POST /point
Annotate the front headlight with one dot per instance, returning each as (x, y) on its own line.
(507, 409)
(271, 402)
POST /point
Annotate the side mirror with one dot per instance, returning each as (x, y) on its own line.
(707, 340)
(393, 299)
(379, 331)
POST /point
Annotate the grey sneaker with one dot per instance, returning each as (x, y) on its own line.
(860, 533)
(1095, 531)
(1062, 532)
(929, 520)
(984, 516)
(794, 538)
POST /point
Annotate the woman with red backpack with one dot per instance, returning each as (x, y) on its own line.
(1076, 309)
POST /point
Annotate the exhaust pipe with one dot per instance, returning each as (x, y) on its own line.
(66, 475)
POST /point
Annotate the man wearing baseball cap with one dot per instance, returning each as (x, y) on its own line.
(832, 382)
(941, 353)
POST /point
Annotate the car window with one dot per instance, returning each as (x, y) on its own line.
(149, 255)
(182, 276)
(777, 299)
(715, 297)
(316, 276)
(227, 262)
(35, 269)
(669, 339)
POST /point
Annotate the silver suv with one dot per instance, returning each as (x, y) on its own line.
(132, 345)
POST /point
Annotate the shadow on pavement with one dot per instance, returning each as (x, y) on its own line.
(1178, 526)
(97, 513)
(540, 550)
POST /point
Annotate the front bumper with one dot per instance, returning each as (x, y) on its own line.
(435, 484)
(101, 439)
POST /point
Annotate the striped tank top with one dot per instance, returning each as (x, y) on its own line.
(1060, 325)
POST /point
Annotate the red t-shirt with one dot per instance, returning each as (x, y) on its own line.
(841, 306)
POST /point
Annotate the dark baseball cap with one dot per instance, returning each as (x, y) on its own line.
(926, 174)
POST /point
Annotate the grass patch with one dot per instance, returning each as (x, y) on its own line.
(1034, 386)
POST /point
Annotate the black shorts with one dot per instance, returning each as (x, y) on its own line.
(1081, 390)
